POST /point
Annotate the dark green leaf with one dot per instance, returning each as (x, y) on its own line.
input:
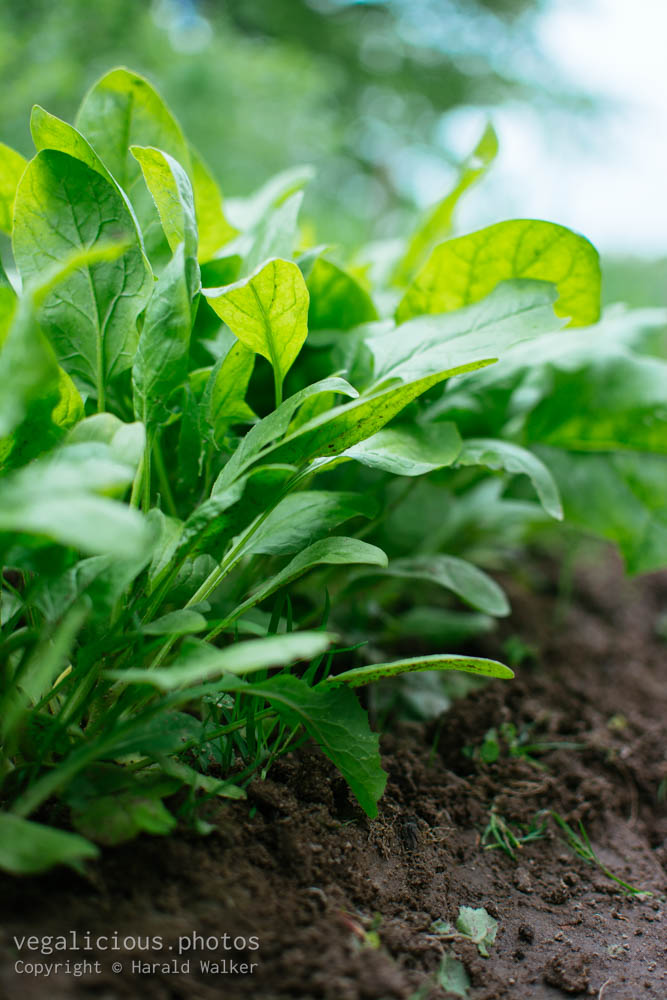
(181, 622)
(301, 518)
(621, 497)
(328, 551)
(41, 670)
(337, 301)
(339, 726)
(505, 455)
(223, 401)
(410, 450)
(27, 848)
(612, 404)
(464, 579)
(200, 782)
(159, 734)
(114, 819)
(360, 676)
(161, 361)
(91, 316)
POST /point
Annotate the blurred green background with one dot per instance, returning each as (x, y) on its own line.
(381, 98)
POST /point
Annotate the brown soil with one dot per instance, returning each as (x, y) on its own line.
(312, 879)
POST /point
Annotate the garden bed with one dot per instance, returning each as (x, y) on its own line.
(342, 907)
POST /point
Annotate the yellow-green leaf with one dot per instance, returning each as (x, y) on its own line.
(438, 223)
(172, 193)
(12, 165)
(268, 312)
(214, 229)
(7, 305)
(465, 270)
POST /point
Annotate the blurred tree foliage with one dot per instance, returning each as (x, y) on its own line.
(358, 89)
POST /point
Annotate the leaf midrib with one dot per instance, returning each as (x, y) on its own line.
(268, 329)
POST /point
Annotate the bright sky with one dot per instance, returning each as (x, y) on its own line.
(605, 176)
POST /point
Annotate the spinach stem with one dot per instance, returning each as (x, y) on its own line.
(136, 485)
(278, 386)
(101, 388)
(146, 478)
(217, 575)
(163, 478)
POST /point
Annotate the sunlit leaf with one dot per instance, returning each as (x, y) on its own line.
(466, 269)
(121, 110)
(214, 229)
(12, 165)
(172, 193)
(268, 312)
(438, 222)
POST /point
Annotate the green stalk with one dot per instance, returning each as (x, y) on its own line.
(146, 478)
(135, 496)
(141, 494)
(163, 478)
(216, 576)
(232, 727)
(101, 389)
(278, 386)
(220, 572)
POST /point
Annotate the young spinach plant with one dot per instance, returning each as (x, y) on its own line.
(189, 412)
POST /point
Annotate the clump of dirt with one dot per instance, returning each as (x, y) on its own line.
(297, 895)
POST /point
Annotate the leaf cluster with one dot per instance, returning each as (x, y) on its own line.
(189, 415)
